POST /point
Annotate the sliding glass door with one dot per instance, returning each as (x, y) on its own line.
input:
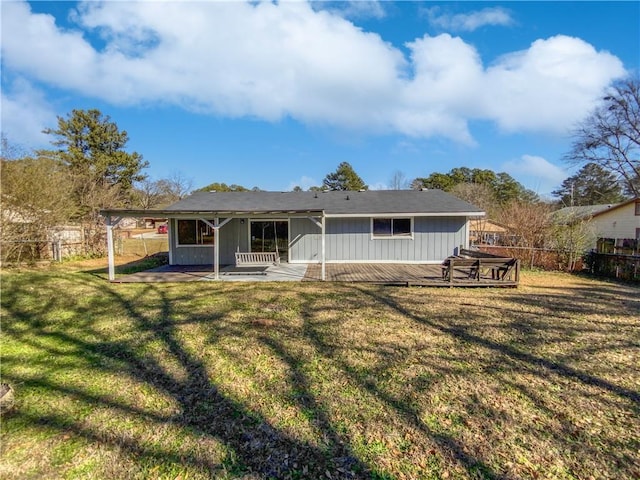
(270, 236)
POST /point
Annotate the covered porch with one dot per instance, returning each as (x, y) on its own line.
(209, 247)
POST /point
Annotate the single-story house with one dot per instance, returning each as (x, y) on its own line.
(619, 221)
(375, 226)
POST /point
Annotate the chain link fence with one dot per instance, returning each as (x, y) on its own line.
(36, 251)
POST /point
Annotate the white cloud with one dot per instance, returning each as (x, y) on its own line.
(379, 186)
(304, 182)
(25, 113)
(536, 173)
(548, 87)
(269, 61)
(353, 9)
(495, 16)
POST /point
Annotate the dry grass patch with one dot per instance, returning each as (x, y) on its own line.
(311, 380)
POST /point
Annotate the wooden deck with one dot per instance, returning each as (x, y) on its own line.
(381, 273)
(401, 274)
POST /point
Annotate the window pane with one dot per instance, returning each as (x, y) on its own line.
(186, 232)
(382, 226)
(401, 226)
(205, 234)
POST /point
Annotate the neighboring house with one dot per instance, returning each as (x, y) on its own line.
(619, 221)
(22, 237)
(483, 231)
(393, 226)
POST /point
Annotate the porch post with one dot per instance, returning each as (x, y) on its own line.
(216, 248)
(110, 252)
(111, 222)
(322, 275)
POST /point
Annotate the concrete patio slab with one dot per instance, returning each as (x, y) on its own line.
(284, 272)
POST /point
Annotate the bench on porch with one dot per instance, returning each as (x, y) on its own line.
(257, 258)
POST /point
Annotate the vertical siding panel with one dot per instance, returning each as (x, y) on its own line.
(338, 238)
(347, 239)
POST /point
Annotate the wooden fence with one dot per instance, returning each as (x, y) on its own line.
(612, 265)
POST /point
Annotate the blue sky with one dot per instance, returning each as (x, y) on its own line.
(278, 94)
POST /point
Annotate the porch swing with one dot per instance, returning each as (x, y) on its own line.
(254, 259)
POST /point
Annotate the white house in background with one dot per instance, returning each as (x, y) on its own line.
(619, 221)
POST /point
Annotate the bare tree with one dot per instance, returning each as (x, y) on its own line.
(480, 195)
(11, 150)
(147, 194)
(35, 200)
(176, 187)
(572, 235)
(150, 194)
(399, 181)
(477, 194)
(528, 223)
(610, 136)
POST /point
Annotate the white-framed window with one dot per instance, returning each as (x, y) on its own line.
(194, 233)
(392, 227)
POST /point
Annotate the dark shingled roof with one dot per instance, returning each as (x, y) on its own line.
(332, 203)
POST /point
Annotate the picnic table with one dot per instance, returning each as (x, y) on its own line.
(476, 265)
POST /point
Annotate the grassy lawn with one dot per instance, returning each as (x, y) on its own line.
(310, 380)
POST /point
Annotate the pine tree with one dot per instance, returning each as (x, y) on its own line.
(591, 185)
(344, 178)
(102, 172)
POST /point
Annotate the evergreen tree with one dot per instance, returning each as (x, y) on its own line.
(503, 186)
(223, 187)
(591, 185)
(344, 178)
(92, 148)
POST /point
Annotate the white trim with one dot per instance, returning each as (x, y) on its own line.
(265, 219)
(405, 214)
(192, 245)
(373, 236)
(318, 223)
(216, 246)
(467, 243)
(111, 263)
(323, 258)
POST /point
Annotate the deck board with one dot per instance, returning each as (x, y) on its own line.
(398, 274)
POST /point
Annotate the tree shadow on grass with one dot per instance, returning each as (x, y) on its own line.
(454, 452)
(155, 317)
(256, 446)
(549, 366)
(519, 360)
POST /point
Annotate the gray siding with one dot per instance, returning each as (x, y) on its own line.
(305, 243)
(233, 236)
(347, 239)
